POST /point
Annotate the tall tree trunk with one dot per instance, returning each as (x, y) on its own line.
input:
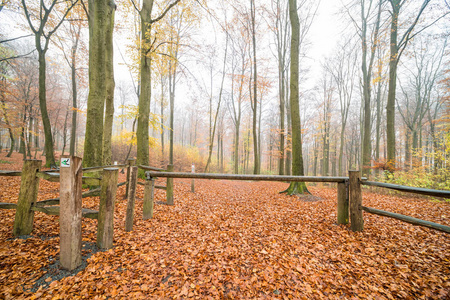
(254, 101)
(65, 132)
(109, 86)
(297, 155)
(288, 148)
(172, 82)
(5, 116)
(142, 134)
(48, 146)
(93, 141)
(73, 132)
(211, 144)
(162, 119)
(390, 107)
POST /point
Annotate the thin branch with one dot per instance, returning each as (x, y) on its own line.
(18, 56)
(164, 12)
(13, 39)
(135, 6)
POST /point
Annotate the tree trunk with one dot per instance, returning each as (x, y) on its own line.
(73, 132)
(142, 134)
(49, 155)
(390, 107)
(97, 75)
(109, 86)
(297, 155)
(162, 120)
(257, 164)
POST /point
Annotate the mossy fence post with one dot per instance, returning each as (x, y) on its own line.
(29, 186)
(131, 163)
(131, 198)
(342, 202)
(149, 189)
(356, 214)
(70, 212)
(169, 186)
(105, 228)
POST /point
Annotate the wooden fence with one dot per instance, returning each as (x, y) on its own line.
(349, 199)
(349, 194)
(69, 205)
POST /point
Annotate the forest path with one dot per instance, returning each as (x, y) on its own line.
(234, 239)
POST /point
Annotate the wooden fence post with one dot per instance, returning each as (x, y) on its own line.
(29, 186)
(70, 212)
(169, 185)
(192, 181)
(356, 214)
(149, 189)
(342, 203)
(131, 163)
(105, 227)
(131, 199)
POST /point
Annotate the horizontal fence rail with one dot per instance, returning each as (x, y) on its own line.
(99, 169)
(247, 177)
(10, 173)
(407, 219)
(148, 168)
(409, 189)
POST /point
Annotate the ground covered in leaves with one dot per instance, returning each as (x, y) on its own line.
(233, 240)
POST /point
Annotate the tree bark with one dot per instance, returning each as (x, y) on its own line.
(142, 134)
(297, 155)
(254, 101)
(93, 149)
(109, 86)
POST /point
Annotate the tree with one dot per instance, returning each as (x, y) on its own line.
(101, 18)
(343, 70)
(418, 94)
(213, 129)
(369, 46)
(297, 153)
(396, 49)
(281, 31)
(73, 30)
(239, 64)
(254, 93)
(146, 44)
(41, 26)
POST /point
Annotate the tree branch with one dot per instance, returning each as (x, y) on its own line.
(13, 39)
(165, 12)
(135, 6)
(18, 56)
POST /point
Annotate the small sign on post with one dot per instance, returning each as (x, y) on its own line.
(65, 162)
(192, 181)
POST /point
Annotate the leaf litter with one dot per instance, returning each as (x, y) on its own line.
(234, 240)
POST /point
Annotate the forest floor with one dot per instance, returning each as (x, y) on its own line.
(232, 240)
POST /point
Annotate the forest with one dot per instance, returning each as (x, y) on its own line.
(231, 86)
(108, 106)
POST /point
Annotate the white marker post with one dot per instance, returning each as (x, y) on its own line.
(192, 181)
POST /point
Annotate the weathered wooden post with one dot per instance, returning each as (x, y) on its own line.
(131, 198)
(131, 163)
(29, 186)
(169, 186)
(342, 203)
(149, 189)
(70, 212)
(105, 227)
(192, 181)
(356, 214)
